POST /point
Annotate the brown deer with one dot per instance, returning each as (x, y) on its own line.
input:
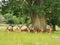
(24, 28)
(9, 28)
(17, 29)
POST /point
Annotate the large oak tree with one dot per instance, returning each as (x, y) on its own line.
(38, 10)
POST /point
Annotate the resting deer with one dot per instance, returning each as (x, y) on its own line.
(17, 29)
(24, 29)
(9, 28)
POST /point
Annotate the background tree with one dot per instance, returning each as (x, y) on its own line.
(55, 14)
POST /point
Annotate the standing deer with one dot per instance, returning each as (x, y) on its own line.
(49, 28)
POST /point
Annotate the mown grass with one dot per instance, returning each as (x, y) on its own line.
(17, 38)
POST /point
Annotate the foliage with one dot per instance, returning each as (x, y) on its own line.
(2, 19)
(11, 19)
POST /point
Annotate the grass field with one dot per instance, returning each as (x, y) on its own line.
(17, 38)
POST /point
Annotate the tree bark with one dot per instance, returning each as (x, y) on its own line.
(38, 22)
(43, 23)
(35, 20)
(54, 28)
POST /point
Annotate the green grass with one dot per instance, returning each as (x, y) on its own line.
(17, 38)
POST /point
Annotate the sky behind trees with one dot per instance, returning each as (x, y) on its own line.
(0, 3)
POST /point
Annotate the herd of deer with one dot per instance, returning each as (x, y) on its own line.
(24, 28)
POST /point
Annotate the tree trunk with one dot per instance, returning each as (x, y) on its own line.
(38, 22)
(43, 22)
(54, 28)
(35, 20)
